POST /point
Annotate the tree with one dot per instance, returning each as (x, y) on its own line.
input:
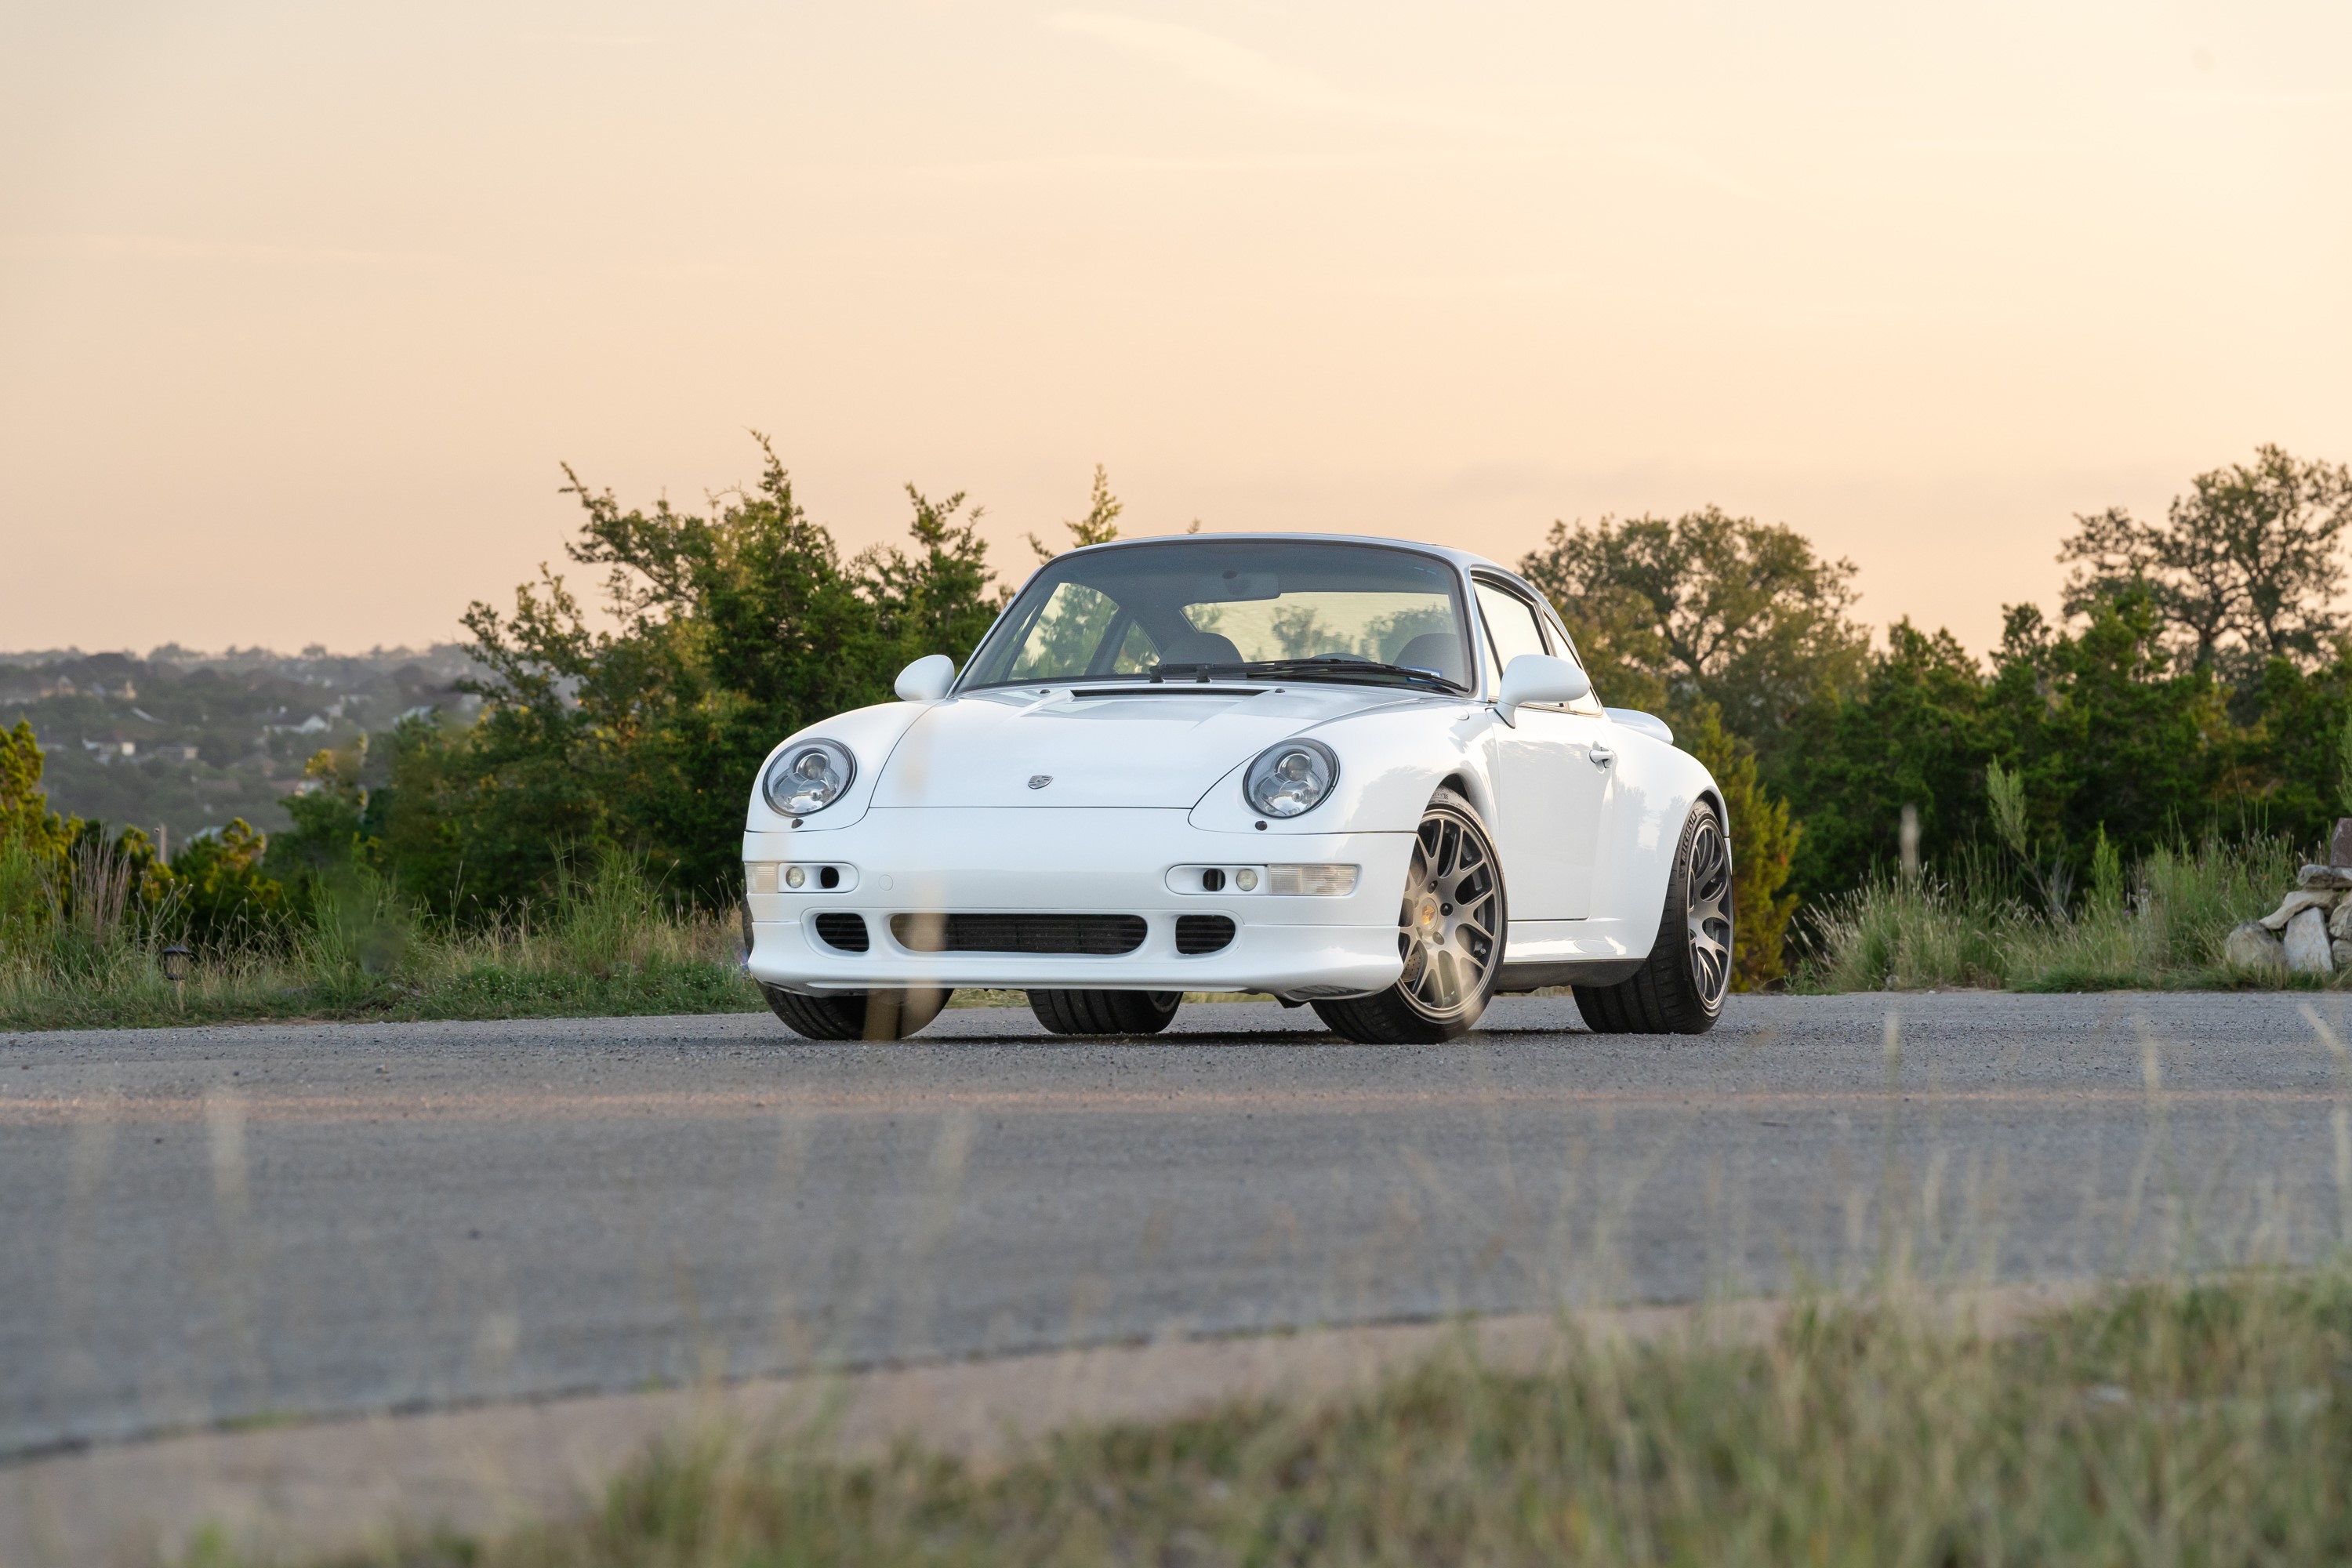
(734, 630)
(33, 839)
(1909, 734)
(226, 898)
(2097, 733)
(1100, 525)
(2243, 569)
(1707, 608)
(2107, 733)
(1763, 851)
(26, 818)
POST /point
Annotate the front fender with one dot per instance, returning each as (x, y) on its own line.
(1650, 799)
(870, 734)
(1391, 763)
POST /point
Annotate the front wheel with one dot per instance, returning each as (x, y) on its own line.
(1679, 989)
(1449, 933)
(856, 1015)
(1105, 1012)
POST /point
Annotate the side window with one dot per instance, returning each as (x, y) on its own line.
(1565, 646)
(1511, 627)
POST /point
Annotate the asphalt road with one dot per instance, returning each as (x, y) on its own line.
(209, 1225)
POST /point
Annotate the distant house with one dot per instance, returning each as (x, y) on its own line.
(110, 747)
(178, 751)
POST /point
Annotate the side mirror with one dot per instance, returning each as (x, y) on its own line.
(1539, 677)
(927, 679)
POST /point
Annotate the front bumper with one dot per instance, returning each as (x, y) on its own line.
(1045, 860)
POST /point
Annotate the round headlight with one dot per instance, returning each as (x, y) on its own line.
(1293, 778)
(809, 778)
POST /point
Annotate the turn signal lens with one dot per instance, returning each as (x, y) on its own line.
(1293, 778)
(809, 778)
(1312, 881)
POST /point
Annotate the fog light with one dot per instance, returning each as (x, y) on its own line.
(1246, 880)
(794, 877)
(1312, 881)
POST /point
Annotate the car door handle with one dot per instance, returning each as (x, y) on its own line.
(1602, 756)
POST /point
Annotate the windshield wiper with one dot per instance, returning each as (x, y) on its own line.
(1328, 665)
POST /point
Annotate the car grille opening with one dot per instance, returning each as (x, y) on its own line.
(845, 931)
(1097, 934)
(1202, 934)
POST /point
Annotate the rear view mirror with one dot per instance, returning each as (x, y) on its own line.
(927, 679)
(1539, 677)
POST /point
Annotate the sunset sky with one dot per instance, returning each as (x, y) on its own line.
(301, 306)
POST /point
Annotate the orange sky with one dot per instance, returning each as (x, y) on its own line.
(301, 306)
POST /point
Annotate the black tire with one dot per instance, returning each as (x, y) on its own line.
(1105, 1012)
(1679, 989)
(1450, 931)
(856, 1015)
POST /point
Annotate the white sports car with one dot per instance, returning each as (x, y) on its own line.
(1362, 775)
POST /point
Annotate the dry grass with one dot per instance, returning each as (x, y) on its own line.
(2179, 1424)
(607, 944)
(2162, 928)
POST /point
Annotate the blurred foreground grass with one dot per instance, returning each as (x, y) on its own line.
(2176, 1424)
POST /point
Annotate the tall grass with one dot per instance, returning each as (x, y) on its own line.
(2178, 1423)
(606, 943)
(2160, 925)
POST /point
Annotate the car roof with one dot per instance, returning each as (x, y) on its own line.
(1462, 559)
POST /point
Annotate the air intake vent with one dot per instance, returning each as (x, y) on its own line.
(1202, 934)
(1098, 934)
(845, 931)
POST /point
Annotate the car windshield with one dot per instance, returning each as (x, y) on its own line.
(1194, 606)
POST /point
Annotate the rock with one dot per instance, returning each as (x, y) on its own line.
(2306, 944)
(2294, 903)
(2339, 849)
(2324, 878)
(2342, 950)
(2251, 946)
(2341, 922)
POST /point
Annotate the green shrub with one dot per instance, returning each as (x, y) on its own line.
(2161, 924)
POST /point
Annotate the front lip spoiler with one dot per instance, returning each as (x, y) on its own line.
(1292, 959)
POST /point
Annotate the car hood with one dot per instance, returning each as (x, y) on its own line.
(1158, 746)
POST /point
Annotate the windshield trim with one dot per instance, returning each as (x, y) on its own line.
(1466, 611)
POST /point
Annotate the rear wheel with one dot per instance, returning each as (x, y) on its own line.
(856, 1015)
(1105, 1012)
(1449, 933)
(1679, 990)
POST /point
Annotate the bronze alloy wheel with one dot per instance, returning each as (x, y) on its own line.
(1680, 987)
(1707, 912)
(1449, 936)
